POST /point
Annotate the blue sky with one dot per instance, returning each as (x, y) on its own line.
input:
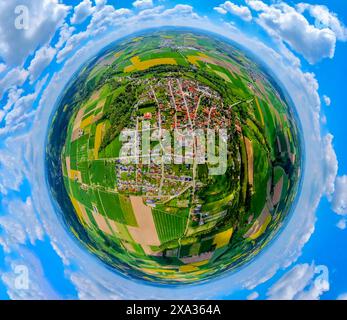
(307, 261)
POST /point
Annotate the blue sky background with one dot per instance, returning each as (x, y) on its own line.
(29, 233)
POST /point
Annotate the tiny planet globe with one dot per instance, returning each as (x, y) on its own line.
(173, 156)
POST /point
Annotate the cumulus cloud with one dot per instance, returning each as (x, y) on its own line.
(242, 12)
(13, 95)
(20, 225)
(65, 33)
(2, 67)
(342, 296)
(89, 289)
(25, 279)
(104, 17)
(342, 224)
(43, 57)
(331, 165)
(107, 18)
(71, 43)
(179, 9)
(327, 100)
(14, 78)
(44, 18)
(11, 173)
(253, 296)
(302, 282)
(149, 13)
(2, 114)
(220, 10)
(100, 3)
(19, 109)
(325, 18)
(284, 23)
(82, 11)
(339, 199)
(143, 4)
(324, 119)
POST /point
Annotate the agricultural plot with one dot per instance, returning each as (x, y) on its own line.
(169, 226)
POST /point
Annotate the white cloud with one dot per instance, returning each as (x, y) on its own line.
(15, 77)
(284, 23)
(143, 4)
(102, 19)
(220, 10)
(291, 283)
(324, 119)
(2, 114)
(257, 5)
(315, 290)
(20, 225)
(72, 43)
(2, 67)
(30, 268)
(11, 173)
(100, 3)
(331, 165)
(13, 96)
(342, 296)
(20, 108)
(107, 18)
(253, 296)
(327, 100)
(339, 199)
(342, 224)
(179, 9)
(149, 13)
(325, 18)
(82, 11)
(43, 57)
(301, 283)
(242, 12)
(89, 289)
(64, 34)
(159, 14)
(45, 17)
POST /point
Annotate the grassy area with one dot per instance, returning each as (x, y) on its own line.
(169, 226)
(262, 174)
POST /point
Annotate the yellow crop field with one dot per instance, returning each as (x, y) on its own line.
(222, 239)
(250, 160)
(261, 229)
(86, 122)
(260, 111)
(80, 210)
(98, 137)
(138, 65)
(223, 75)
(195, 59)
(188, 268)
